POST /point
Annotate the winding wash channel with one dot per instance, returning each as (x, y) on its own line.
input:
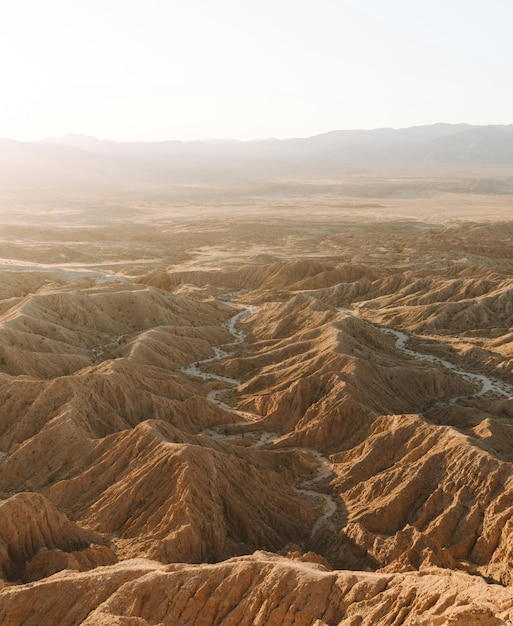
(401, 338)
(262, 438)
(487, 384)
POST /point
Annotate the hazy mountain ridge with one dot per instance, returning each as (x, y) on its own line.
(438, 143)
(77, 160)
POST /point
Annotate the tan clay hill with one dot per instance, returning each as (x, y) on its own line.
(257, 412)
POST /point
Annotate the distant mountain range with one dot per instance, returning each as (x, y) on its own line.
(437, 144)
(79, 159)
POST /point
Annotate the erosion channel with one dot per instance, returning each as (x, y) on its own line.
(262, 439)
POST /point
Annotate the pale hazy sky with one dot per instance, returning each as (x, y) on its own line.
(194, 69)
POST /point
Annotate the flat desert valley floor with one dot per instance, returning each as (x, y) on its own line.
(260, 403)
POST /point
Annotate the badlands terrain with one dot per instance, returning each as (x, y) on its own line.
(258, 403)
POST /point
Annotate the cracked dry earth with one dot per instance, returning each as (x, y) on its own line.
(309, 424)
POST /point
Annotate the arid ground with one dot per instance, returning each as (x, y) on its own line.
(285, 401)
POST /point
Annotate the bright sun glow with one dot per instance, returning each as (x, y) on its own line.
(160, 69)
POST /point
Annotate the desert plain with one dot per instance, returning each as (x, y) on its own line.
(259, 402)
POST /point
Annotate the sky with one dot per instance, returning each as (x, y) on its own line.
(150, 70)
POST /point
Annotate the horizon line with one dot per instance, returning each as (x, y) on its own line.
(95, 138)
